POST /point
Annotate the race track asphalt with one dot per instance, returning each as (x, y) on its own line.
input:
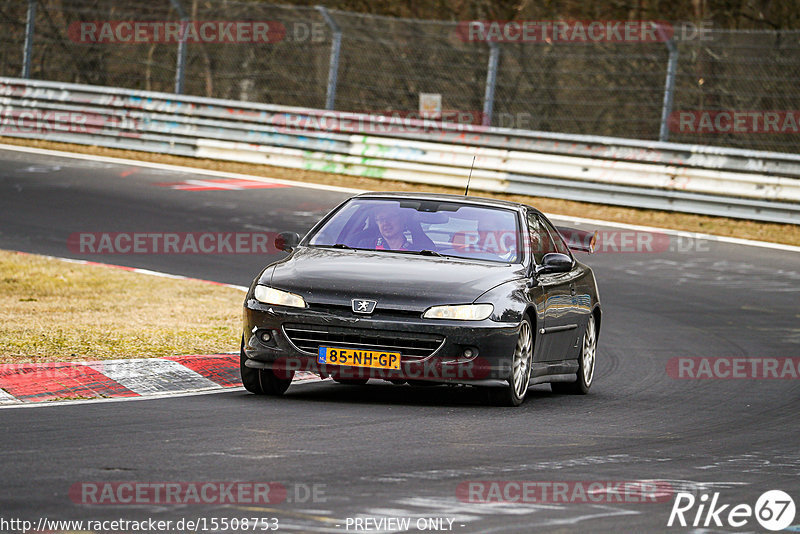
(381, 450)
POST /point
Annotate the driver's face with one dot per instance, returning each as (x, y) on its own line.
(389, 224)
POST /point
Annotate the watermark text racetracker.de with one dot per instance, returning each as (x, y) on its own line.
(182, 493)
(172, 242)
(733, 121)
(734, 368)
(15, 121)
(581, 31)
(45, 525)
(133, 32)
(564, 491)
(603, 241)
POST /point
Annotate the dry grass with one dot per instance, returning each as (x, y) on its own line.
(778, 233)
(51, 310)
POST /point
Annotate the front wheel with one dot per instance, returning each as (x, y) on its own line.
(586, 364)
(262, 381)
(514, 393)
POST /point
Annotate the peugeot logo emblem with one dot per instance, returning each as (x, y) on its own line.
(363, 305)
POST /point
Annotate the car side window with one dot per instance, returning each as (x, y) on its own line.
(541, 243)
(558, 241)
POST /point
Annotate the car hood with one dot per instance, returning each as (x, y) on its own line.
(395, 280)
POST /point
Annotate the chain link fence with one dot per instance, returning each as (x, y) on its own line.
(318, 58)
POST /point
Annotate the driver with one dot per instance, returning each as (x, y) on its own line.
(392, 225)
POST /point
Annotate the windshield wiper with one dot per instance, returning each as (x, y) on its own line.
(427, 252)
(338, 245)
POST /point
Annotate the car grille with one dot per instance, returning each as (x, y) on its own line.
(347, 310)
(308, 338)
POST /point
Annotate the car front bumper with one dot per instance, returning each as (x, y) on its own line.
(491, 344)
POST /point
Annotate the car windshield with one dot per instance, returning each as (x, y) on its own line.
(428, 227)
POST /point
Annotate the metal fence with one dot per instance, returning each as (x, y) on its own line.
(328, 59)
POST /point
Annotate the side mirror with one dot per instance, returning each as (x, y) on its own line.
(554, 263)
(287, 241)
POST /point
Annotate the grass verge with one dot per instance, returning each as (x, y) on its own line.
(52, 310)
(778, 233)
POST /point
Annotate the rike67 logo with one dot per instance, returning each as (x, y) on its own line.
(774, 510)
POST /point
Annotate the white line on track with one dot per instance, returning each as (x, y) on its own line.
(177, 168)
(307, 185)
(186, 393)
(166, 395)
(137, 270)
(682, 233)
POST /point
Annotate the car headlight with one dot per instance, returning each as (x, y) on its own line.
(270, 295)
(463, 312)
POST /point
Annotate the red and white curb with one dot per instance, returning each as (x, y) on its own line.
(140, 377)
(136, 377)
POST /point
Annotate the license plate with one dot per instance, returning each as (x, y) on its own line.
(359, 358)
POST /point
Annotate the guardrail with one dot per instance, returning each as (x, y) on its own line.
(717, 181)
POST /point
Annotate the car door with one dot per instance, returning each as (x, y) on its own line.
(580, 306)
(561, 322)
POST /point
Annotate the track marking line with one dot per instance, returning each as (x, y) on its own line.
(177, 168)
(681, 233)
(323, 187)
(291, 513)
(156, 396)
(222, 184)
(148, 272)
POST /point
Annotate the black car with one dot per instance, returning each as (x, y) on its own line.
(425, 289)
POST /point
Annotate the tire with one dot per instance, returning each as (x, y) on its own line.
(262, 381)
(520, 376)
(351, 381)
(586, 364)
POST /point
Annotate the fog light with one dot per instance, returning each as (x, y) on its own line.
(266, 336)
(469, 353)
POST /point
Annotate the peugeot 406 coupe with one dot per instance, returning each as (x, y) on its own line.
(426, 289)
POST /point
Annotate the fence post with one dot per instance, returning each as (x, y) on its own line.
(491, 80)
(333, 69)
(27, 53)
(669, 86)
(181, 60)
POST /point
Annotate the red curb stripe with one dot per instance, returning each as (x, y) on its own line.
(222, 369)
(54, 380)
(220, 184)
